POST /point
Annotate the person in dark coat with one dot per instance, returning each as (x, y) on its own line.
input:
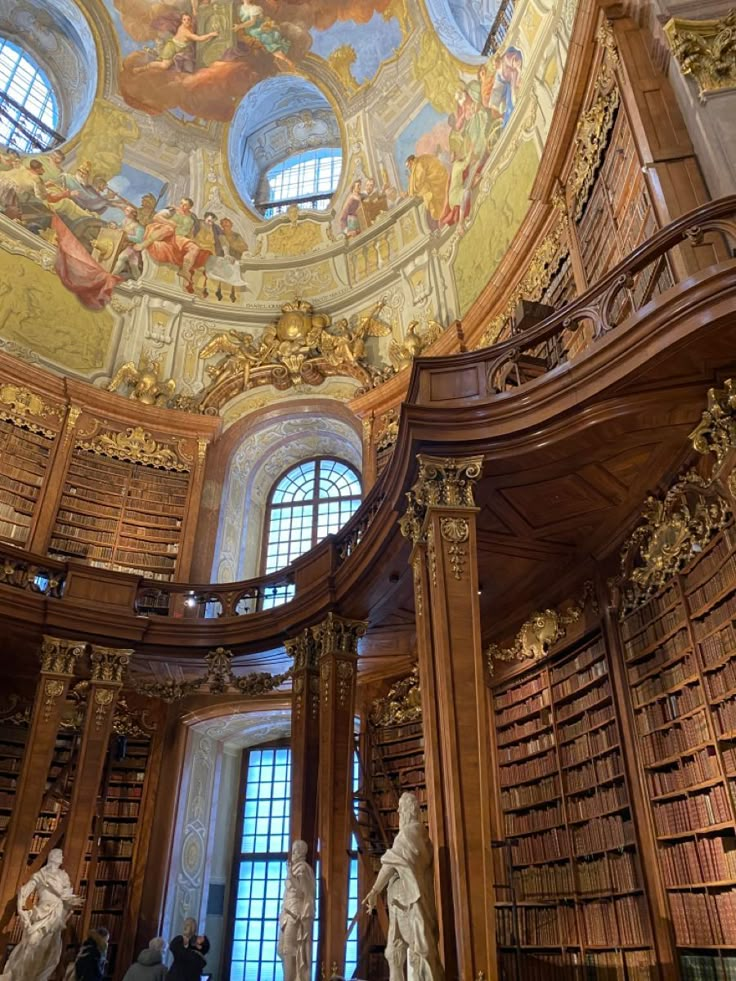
(189, 955)
(90, 962)
(150, 963)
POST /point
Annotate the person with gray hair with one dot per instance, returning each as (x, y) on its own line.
(150, 963)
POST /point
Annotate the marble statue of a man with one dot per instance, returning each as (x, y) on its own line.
(37, 955)
(407, 875)
(297, 916)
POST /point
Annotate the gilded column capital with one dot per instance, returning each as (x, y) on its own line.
(60, 655)
(441, 482)
(336, 635)
(109, 664)
(303, 650)
(705, 49)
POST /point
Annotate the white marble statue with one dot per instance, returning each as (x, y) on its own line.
(408, 877)
(297, 916)
(38, 953)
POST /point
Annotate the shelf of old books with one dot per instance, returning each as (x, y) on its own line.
(110, 861)
(122, 516)
(680, 652)
(12, 746)
(396, 765)
(24, 460)
(570, 896)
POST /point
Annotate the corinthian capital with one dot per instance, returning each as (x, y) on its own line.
(109, 664)
(705, 49)
(303, 649)
(59, 655)
(441, 482)
(338, 636)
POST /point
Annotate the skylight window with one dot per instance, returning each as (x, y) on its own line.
(307, 180)
(29, 110)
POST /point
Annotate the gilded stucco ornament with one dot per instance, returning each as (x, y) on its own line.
(23, 408)
(705, 49)
(402, 703)
(218, 680)
(136, 446)
(144, 382)
(590, 144)
(300, 347)
(540, 632)
(417, 339)
(696, 506)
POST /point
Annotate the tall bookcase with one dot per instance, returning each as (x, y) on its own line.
(24, 461)
(121, 515)
(396, 766)
(115, 845)
(680, 652)
(570, 894)
(12, 746)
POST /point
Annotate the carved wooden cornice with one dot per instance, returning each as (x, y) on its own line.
(705, 49)
(539, 634)
(136, 446)
(402, 703)
(219, 679)
(441, 482)
(696, 507)
(60, 656)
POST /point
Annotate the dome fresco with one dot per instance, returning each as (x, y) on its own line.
(142, 233)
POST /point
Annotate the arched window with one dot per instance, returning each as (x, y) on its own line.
(312, 500)
(307, 180)
(29, 111)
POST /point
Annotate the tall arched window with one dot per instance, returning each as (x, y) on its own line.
(312, 500)
(29, 112)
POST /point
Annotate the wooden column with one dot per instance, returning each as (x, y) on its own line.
(108, 669)
(336, 642)
(433, 759)
(304, 739)
(441, 515)
(58, 661)
(44, 514)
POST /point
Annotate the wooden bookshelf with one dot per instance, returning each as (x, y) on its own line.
(570, 894)
(680, 652)
(24, 461)
(120, 515)
(396, 766)
(12, 746)
(114, 844)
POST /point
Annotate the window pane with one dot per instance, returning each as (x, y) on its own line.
(313, 174)
(27, 85)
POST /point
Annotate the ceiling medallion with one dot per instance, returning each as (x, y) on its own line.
(300, 347)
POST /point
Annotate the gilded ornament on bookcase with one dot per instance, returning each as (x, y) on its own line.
(104, 698)
(697, 505)
(23, 408)
(53, 689)
(345, 674)
(591, 139)
(418, 586)
(402, 703)
(16, 712)
(539, 634)
(135, 445)
(455, 531)
(705, 49)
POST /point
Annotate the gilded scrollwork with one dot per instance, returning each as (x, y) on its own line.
(402, 703)
(716, 431)
(705, 49)
(104, 698)
(53, 690)
(418, 586)
(219, 679)
(136, 446)
(538, 635)
(345, 675)
(22, 408)
(590, 143)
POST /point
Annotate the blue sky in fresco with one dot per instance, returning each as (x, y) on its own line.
(373, 43)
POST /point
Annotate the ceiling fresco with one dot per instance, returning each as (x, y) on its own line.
(146, 217)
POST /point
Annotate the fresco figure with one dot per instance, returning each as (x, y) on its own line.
(179, 51)
(233, 242)
(166, 241)
(349, 220)
(500, 83)
(129, 263)
(428, 181)
(254, 24)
